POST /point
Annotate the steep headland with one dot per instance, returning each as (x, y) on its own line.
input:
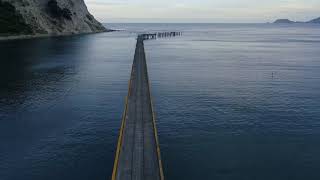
(20, 18)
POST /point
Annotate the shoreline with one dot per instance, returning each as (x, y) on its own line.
(36, 36)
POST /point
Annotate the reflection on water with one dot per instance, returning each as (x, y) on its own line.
(232, 102)
(61, 100)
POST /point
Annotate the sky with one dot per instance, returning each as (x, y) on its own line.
(203, 11)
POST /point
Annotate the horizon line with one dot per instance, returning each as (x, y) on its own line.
(187, 22)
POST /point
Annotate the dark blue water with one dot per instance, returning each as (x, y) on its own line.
(233, 101)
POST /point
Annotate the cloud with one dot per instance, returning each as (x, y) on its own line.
(209, 10)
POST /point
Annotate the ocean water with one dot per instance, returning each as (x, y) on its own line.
(233, 101)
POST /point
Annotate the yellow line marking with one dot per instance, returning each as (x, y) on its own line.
(155, 128)
(124, 117)
(116, 161)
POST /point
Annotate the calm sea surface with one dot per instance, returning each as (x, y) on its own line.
(233, 101)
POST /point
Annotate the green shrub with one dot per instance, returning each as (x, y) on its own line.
(11, 22)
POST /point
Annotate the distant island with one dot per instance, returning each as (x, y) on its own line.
(280, 21)
(288, 21)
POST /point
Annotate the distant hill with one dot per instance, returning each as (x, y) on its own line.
(288, 21)
(317, 20)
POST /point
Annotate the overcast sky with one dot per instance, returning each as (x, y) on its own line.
(203, 10)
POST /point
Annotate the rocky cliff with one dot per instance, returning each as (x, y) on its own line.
(46, 17)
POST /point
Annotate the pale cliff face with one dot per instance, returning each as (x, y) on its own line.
(52, 17)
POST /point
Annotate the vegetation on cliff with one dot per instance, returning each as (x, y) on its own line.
(11, 22)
